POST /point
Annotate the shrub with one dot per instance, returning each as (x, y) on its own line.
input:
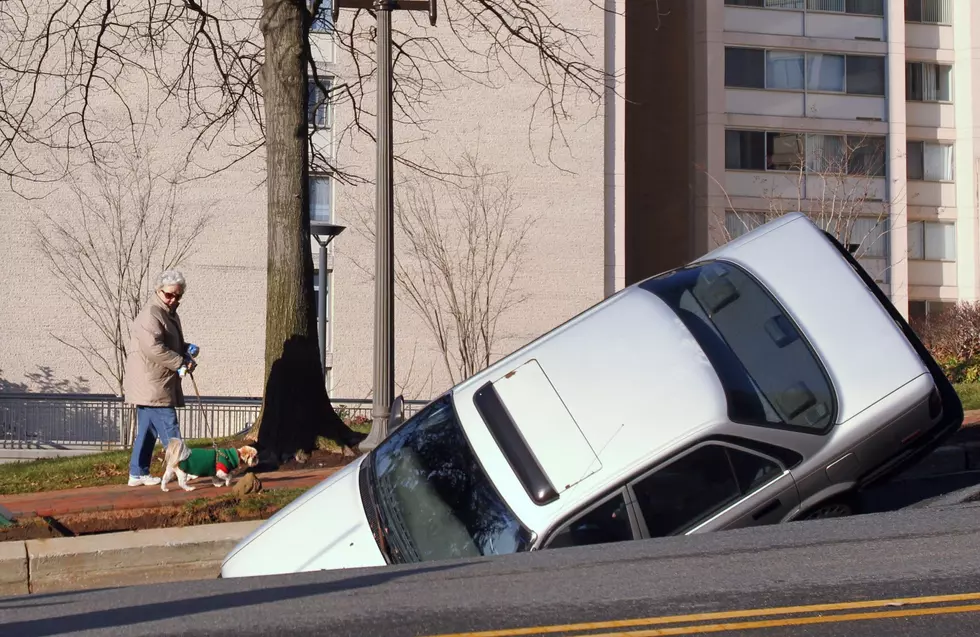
(953, 338)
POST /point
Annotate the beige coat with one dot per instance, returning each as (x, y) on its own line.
(155, 354)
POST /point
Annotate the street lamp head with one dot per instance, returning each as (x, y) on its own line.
(409, 5)
(325, 229)
(325, 232)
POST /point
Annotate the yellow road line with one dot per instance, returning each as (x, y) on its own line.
(733, 614)
(793, 621)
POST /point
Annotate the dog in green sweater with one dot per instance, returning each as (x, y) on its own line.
(218, 464)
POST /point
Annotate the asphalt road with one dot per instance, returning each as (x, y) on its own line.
(855, 565)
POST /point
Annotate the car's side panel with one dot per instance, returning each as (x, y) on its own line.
(770, 504)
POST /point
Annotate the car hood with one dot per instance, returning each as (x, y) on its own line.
(323, 529)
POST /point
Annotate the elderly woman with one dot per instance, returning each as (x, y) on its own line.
(157, 350)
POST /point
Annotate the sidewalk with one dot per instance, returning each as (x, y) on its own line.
(120, 497)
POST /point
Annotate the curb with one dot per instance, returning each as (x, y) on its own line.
(13, 569)
(128, 558)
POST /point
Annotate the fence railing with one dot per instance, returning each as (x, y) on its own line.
(44, 421)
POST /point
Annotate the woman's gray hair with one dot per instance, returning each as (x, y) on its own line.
(170, 277)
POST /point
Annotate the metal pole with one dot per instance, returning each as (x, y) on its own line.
(384, 274)
(321, 304)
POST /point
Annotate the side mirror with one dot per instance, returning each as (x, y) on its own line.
(397, 414)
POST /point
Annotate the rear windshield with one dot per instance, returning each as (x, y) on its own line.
(769, 373)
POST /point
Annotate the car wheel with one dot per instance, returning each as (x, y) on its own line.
(834, 509)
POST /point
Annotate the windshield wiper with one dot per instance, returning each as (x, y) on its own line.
(393, 526)
(373, 512)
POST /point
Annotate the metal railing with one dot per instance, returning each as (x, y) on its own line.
(104, 421)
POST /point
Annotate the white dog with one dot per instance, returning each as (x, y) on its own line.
(188, 464)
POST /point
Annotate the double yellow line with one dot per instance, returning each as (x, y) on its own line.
(700, 623)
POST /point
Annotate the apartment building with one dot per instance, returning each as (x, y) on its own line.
(855, 109)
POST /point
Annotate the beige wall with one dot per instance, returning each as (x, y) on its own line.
(224, 308)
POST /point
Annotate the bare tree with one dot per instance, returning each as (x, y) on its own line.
(834, 179)
(462, 244)
(238, 72)
(124, 226)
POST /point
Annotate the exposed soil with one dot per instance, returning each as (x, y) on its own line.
(319, 459)
(222, 509)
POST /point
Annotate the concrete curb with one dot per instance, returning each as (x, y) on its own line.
(118, 559)
(13, 569)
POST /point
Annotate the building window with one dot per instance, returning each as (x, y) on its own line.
(322, 20)
(865, 75)
(784, 70)
(924, 309)
(321, 198)
(932, 241)
(794, 71)
(769, 4)
(857, 7)
(929, 11)
(867, 238)
(318, 104)
(825, 72)
(927, 82)
(745, 68)
(865, 156)
(782, 151)
(927, 161)
(738, 223)
(826, 153)
(745, 150)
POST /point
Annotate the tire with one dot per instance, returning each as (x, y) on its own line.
(836, 508)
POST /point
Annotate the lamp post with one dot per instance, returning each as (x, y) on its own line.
(324, 233)
(384, 252)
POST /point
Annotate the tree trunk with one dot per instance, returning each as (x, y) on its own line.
(295, 406)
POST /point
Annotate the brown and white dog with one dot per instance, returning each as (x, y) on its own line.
(218, 464)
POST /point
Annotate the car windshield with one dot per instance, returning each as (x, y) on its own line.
(768, 371)
(434, 498)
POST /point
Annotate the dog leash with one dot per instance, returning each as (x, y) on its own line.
(204, 414)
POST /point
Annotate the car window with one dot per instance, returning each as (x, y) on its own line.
(608, 522)
(768, 371)
(697, 485)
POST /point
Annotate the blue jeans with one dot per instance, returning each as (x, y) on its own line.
(151, 423)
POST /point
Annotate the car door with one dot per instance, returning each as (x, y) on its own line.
(610, 519)
(712, 486)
